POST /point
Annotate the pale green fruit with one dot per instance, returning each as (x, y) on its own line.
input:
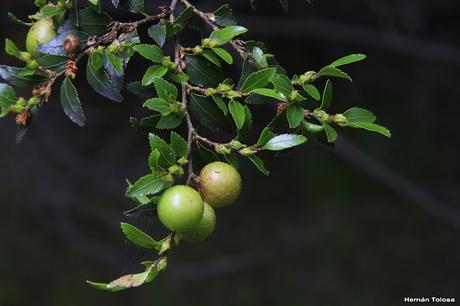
(180, 208)
(41, 32)
(205, 226)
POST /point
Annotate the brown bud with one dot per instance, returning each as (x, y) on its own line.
(37, 91)
(21, 118)
(71, 69)
(281, 107)
(71, 43)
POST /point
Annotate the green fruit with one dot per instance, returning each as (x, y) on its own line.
(41, 32)
(219, 184)
(180, 208)
(205, 226)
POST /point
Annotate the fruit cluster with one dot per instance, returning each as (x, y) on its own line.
(189, 212)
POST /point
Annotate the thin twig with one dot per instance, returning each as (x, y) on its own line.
(209, 19)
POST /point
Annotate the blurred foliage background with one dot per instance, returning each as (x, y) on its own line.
(369, 223)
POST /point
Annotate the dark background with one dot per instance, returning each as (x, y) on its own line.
(368, 224)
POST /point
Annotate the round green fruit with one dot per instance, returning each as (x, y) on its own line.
(205, 226)
(180, 208)
(219, 184)
(41, 32)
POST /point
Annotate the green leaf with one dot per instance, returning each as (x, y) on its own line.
(220, 103)
(210, 56)
(295, 114)
(223, 54)
(102, 84)
(152, 73)
(226, 34)
(13, 76)
(334, 72)
(352, 58)
(178, 77)
(154, 161)
(202, 72)
(331, 133)
(258, 79)
(158, 33)
(238, 113)
(247, 126)
(179, 145)
(259, 57)
(264, 137)
(148, 185)
(284, 141)
(159, 105)
(282, 84)
(138, 237)
(52, 62)
(372, 127)
(92, 22)
(17, 20)
(50, 11)
(71, 103)
(258, 163)
(357, 114)
(7, 98)
(150, 52)
(271, 93)
(327, 96)
(166, 90)
(115, 62)
(11, 48)
(170, 121)
(312, 91)
(143, 210)
(167, 158)
(207, 113)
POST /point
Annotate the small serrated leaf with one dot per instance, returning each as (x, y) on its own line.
(334, 72)
(150, 52)
(358, 114)
(167, 158)
(139, 237)
(258, 79)
(312, 91)
(331, 133)
(352, 58)
(238, 113)
(226, 34)
(71, 103)
(223, 54)
(148, 185)
(284, 141)
(295, 114)
(258, 163)
(153, 72)
(179, 145)
(166, 90)
(327, 96)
